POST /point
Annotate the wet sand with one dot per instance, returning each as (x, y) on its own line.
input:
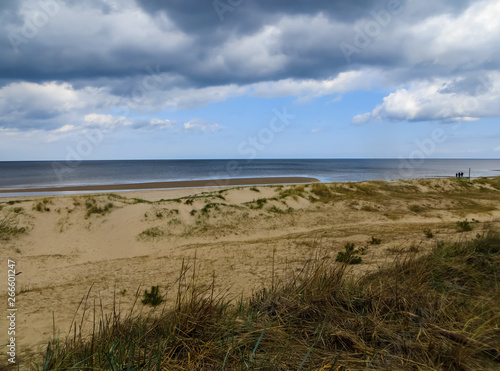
(167, 185)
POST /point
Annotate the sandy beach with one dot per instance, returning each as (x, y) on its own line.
(167, 185)
(77, 251)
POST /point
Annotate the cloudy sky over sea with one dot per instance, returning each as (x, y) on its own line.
(146, 79)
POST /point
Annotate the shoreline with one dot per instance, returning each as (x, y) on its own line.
(168, 185)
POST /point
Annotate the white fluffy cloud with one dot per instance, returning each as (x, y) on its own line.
(27, 105)
(62, 107)
(105, 122)
(439, 100)
(464, 41)
(308, 89)
(462, 49)
(163, 124)
(201, 126)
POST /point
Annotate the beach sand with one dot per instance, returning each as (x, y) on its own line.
(167, 185)
(77, 251)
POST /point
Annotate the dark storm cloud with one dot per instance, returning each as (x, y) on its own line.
(247, 15)
(103, 6)
(9, 10)
(204, 58)
(244, 16)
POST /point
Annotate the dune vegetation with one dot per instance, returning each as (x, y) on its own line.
(440, 310)
(381, 275)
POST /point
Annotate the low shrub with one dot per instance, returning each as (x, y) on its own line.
(428, 233)
(416, 208)
(152, 297)
(464, 225)
(349, 255)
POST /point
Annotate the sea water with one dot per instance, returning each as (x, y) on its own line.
(42, 174)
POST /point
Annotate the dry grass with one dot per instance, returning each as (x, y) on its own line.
(93, 207)
(9, 227)
(322, 192)
(151, 233)
(292, 191)
(437, 311)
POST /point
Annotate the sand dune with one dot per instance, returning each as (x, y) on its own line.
(116, 244)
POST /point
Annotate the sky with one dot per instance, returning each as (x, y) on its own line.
(245, 79)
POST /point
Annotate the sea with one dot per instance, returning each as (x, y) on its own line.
(42, 174)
